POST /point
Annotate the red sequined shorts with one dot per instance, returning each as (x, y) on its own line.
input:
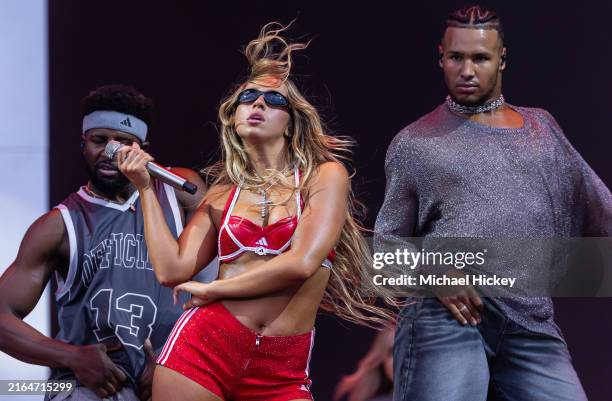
(211, 347)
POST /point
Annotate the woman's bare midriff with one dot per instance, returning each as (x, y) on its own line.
(288, 312)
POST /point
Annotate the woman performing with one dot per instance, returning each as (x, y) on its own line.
(279, 217)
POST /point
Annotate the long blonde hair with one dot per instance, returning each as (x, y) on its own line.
(270, 56)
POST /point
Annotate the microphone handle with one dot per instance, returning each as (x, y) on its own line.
(171, 178)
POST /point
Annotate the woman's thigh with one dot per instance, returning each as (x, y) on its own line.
(171, 385)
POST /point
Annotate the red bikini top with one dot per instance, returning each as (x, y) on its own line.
(239, 234)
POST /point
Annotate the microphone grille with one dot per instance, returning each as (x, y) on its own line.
(111, 149)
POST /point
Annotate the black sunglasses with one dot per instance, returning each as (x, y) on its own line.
(272, 98)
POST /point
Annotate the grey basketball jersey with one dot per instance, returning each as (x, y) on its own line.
(111, 293)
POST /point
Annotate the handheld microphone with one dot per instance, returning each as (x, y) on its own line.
(156, 171)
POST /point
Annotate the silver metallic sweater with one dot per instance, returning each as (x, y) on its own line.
(451, 177)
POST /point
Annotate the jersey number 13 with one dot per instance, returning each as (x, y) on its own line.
(131, 320)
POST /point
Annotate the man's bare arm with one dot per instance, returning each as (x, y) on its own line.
(21, 287)
(44, 248)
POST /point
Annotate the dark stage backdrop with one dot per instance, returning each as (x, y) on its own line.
(371, 70)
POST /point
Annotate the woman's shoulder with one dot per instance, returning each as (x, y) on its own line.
(329, 174)
(217, 194)
(332, 170)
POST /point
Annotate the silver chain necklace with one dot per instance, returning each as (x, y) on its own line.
(459, 108)
(264, 203)
(91, 193)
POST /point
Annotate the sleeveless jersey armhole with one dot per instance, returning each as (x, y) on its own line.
(174, 206)
(63, 287)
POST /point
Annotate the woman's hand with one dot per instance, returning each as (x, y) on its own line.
(360, 386)
(132, 162)
(201, 294)
(367, 379)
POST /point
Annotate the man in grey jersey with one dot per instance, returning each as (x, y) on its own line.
(112, 312)
(478, 167)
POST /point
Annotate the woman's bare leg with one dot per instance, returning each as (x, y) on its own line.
(171, 385)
